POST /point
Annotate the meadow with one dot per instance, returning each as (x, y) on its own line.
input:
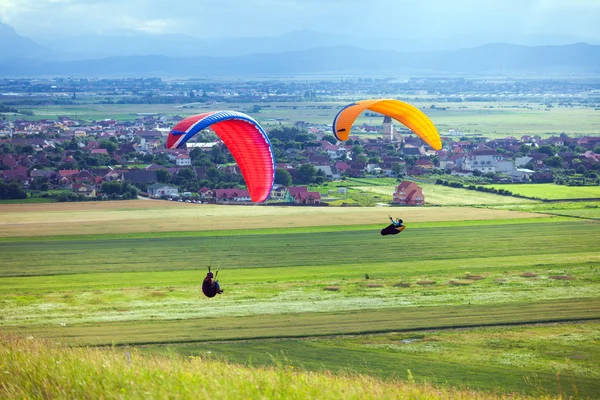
(316, 289)
(550, 191)
(488, 118)
(64, 372)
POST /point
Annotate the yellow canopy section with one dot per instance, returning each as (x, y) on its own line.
(402, 112)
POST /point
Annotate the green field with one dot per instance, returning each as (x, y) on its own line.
(508, 357)
(490, 119)
(437, 195)
(550, 191)
(449, 269)
(34, 368)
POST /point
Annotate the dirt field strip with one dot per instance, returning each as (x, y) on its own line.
(162, 216)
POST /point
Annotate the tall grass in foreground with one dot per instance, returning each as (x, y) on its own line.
(33, 368)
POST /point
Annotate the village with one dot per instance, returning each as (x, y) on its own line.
(109, 159)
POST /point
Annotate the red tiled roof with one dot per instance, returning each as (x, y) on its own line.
(99, 151)
(293, 190)
(231, 193)
(306, 195)
(67, 172)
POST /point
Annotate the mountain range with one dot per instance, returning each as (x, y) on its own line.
(298, 53)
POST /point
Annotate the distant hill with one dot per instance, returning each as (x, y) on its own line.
(173, 45)
(492, 59)
(13, 45)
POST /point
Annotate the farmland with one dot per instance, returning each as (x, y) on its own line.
(296, 276)
(488, 118)
(551, 191)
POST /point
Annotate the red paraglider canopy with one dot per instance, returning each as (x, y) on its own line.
(245, 139)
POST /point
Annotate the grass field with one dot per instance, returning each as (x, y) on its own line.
(487, 358)
(42, 369)
(551, 191)
(163, 216)
(434, 194)
(294, 272)
(491, 119)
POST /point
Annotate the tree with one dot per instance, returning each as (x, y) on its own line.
(110, 146)
(25, 149)
(357, 150)
(306, 172)
(581, 169)
(109, 188)
(163, 176)
(217, 156)
(283, 177)
(597, 149)
(399, 169)
(554, 162)
(330, 138)
(6, 148)
(197, 154)
(546, 149)
(12, 191)
(186, 173)
(304, 137)
(285, 133)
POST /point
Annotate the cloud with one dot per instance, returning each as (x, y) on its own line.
(426, 19)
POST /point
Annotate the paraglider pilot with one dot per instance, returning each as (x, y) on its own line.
(210, 286)
(394, 228)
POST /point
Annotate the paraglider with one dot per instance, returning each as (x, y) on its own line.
(402, 112)
(210, 285)
(394, 228)
(245, 139)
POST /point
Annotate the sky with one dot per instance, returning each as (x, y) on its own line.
(429, 20)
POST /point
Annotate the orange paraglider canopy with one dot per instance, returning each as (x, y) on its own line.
(406, 114)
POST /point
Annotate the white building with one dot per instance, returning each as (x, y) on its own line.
(505, 166)
(160, 189)
(521, 175)
(183, 160)
(481, 163)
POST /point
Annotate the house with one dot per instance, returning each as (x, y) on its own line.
(334, 151)
(83, 177)
(410, 150)
(409, 194)
(425, 164)
(293, 191)
(505, 166)
(8, 160)
(160, 189)
(231, 195)
(521, 174)
(140, 176)
(482, 161)
(542, 177)
(183, 160)
(206, 193)
(307, 198)
(318, 159)
(373, 169)
(42, 173)
(341, 166)
(100, 151)
(326, 169)
(522, 161)
(279, 192)
(87, 191)
(17, 174)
